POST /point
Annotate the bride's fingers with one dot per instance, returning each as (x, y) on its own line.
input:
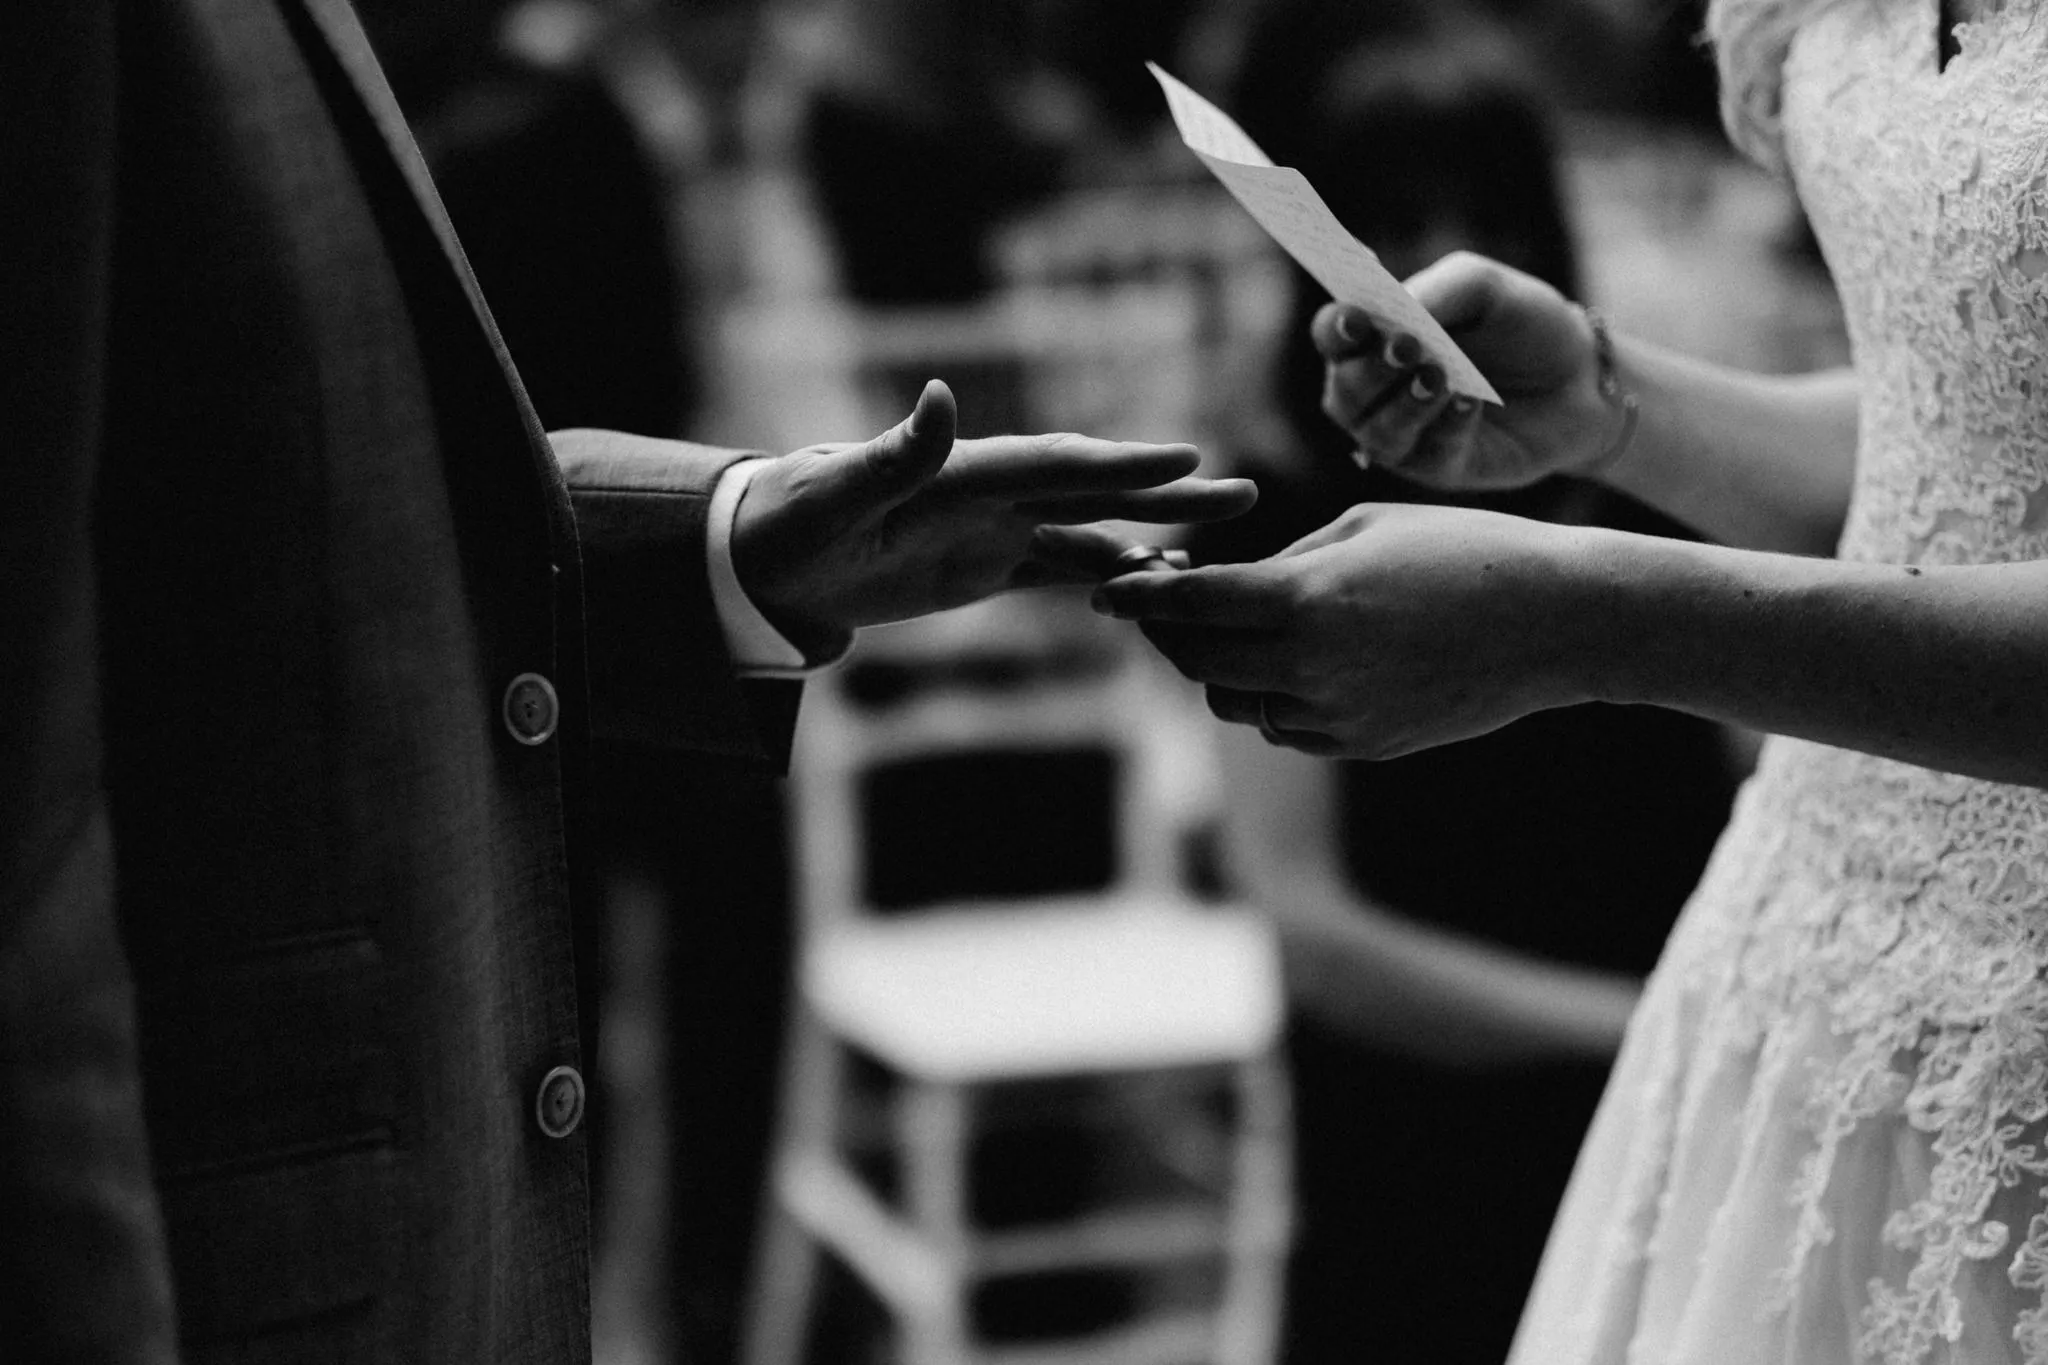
(1389, 434)
(1443, 456)
(1233, 705)
(1362, 371)
(1342, 331)
(1314, 743)
(1241, 659)
(1353, 390)
(1245, 596)
(1281, 718)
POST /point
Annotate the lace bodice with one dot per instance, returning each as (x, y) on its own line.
(1928, 188)
(1827, 1137)
(1903, 911)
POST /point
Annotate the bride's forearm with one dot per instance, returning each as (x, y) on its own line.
(1759, 461)
(1944, 667)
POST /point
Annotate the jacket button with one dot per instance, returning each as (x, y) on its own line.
(558, 1106)
(531, 709)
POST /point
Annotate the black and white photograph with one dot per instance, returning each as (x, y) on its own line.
(1024, 682)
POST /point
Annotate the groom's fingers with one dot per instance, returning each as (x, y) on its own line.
(1183, 500)
(876, 475)
(1025, 467)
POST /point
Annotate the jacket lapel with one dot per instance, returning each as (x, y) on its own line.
(340, 57)
(337, 23)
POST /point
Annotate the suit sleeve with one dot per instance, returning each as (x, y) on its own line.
(83, 1272)
(659, 669)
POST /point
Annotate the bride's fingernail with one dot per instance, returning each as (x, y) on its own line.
(1360, 458)
(1402, 351)
(1462, 406)
(1426, 384)
(1351, 329)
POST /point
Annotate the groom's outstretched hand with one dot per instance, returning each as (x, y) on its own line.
(833, 537)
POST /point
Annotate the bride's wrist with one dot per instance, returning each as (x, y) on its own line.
(1603, 403)
(1620, 409)
(1615, 599)
(1670, 622)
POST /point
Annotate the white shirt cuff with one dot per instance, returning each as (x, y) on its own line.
(757, 648)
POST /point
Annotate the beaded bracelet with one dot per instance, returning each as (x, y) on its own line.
(1612, 390)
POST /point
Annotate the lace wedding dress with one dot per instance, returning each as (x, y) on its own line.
(1826, 1139)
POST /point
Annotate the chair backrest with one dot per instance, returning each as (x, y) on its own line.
(978, 685)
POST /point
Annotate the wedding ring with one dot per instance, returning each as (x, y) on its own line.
(1142, 557)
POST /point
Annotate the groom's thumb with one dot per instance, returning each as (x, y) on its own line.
(904, 458)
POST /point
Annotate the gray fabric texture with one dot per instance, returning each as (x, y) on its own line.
(281, 530)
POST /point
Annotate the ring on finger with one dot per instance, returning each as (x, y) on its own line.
(1139, 557)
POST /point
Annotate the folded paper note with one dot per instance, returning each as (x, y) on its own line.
(1291, 211)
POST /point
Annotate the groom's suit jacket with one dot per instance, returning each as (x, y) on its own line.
(304, 629)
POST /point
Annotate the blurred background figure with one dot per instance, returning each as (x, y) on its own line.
(915, 140)
(1450, 1002)
(770, 219)
(973, 112)
(927, 130)
(561, 160)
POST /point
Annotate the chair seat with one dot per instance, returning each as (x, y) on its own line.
(992, 992)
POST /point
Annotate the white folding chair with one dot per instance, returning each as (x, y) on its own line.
(1133, 985)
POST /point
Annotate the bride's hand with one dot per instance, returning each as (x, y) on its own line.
(1532, 344)
(1392, 629)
